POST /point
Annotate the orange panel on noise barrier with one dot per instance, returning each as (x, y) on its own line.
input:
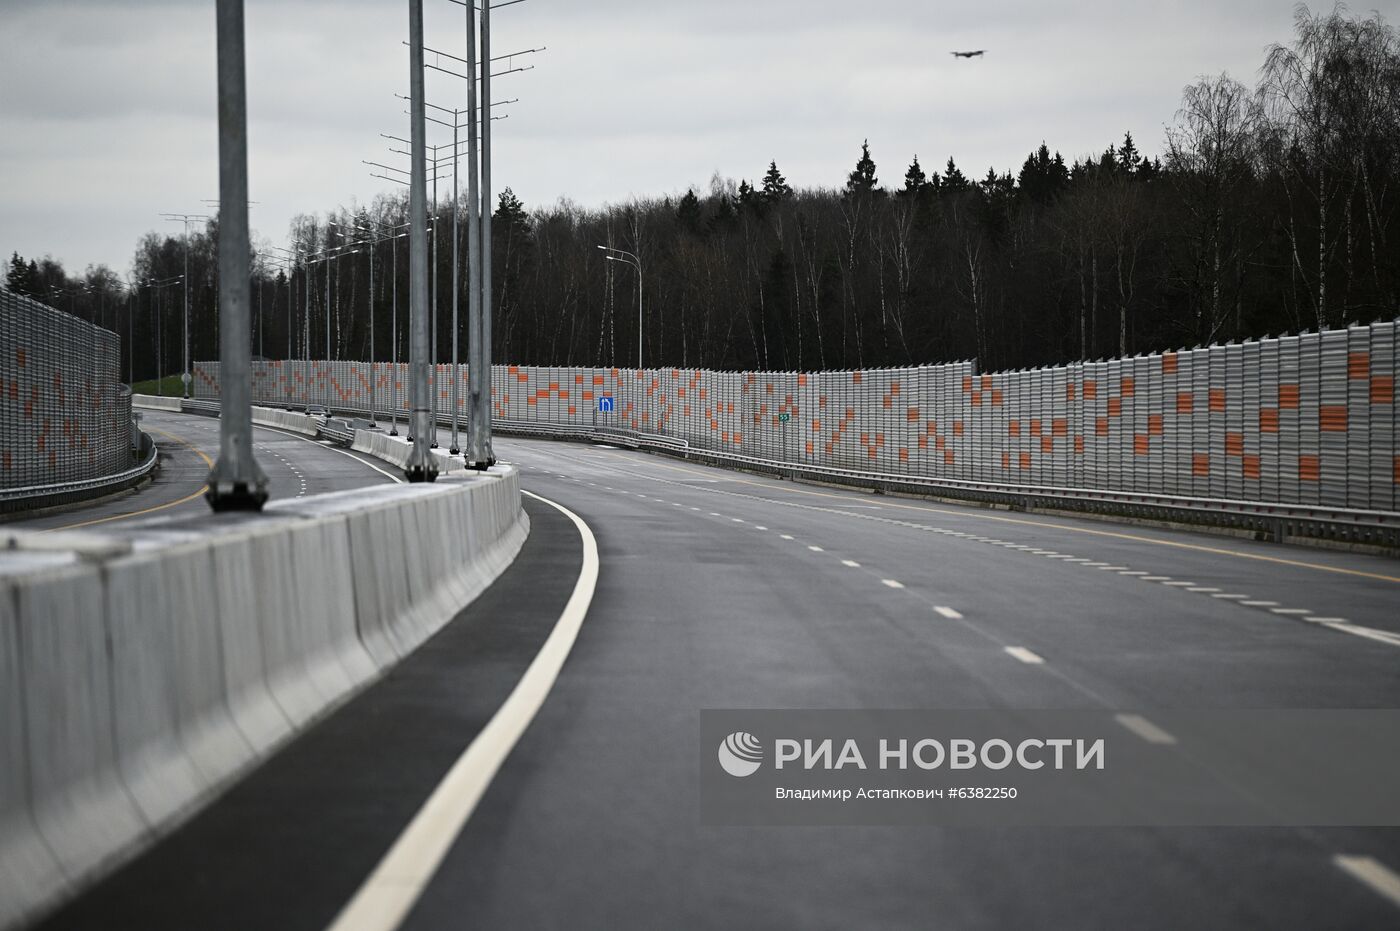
(1358, 365)
(1332, 418)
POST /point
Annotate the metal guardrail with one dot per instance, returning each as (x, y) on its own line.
(1276, 521)
(33, 497)
(198, 406)
(332, 431)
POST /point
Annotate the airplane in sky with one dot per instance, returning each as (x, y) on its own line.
(976, 54)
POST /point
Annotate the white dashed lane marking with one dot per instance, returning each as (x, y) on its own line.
(1302, 614)
(947, 612)
(1144, 728)
(1025, 656)
(1375, 874)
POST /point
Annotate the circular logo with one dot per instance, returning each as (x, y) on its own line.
(740, 754)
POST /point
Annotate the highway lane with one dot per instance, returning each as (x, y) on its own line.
(189, 445)
(724, 590)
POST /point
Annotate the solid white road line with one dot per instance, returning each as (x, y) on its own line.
(1144, 728)
(949, 613)
(1373, 873)
(850, 562)
(892, 583)
(389, 893)
(1370, 633)
(1024, 655)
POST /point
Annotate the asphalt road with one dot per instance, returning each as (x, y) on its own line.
(724, 590)
(189, 444)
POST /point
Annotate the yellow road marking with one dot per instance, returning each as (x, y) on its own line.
(159, 507)
(975, 513)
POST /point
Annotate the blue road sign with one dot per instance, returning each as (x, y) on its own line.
(605, 405)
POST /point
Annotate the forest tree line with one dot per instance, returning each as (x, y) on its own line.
(1269, 209)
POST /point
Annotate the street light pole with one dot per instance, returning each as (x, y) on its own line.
(373, 384)
(628, 258)
(236, 483)
(185, 218)
(421, 466)
(483, 411)
(432, 369)
(394, 346)
(476, 450)
(456, 251)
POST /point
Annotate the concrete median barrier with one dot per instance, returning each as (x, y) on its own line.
(285, 420)
(138, 681)
(153, 402)
(395, 449)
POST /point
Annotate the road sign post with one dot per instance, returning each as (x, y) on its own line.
(783, 419)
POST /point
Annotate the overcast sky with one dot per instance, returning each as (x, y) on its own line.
(108, 106)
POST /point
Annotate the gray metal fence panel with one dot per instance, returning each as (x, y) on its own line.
(1383, 475)
(66, 414)
(1290, 462)
(1357, 487)
(1332, 419)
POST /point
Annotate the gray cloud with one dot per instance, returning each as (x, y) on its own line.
(108, 108)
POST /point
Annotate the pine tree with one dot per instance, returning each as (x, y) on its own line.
(775, 186)
(510, 210)
(1128, 157)
(1108, 163)
(688, 212)
(1042, 176)
(863, 180)
(749, 196)
(724, 212)
(953, 178)
(17, 277)
(915, 181)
